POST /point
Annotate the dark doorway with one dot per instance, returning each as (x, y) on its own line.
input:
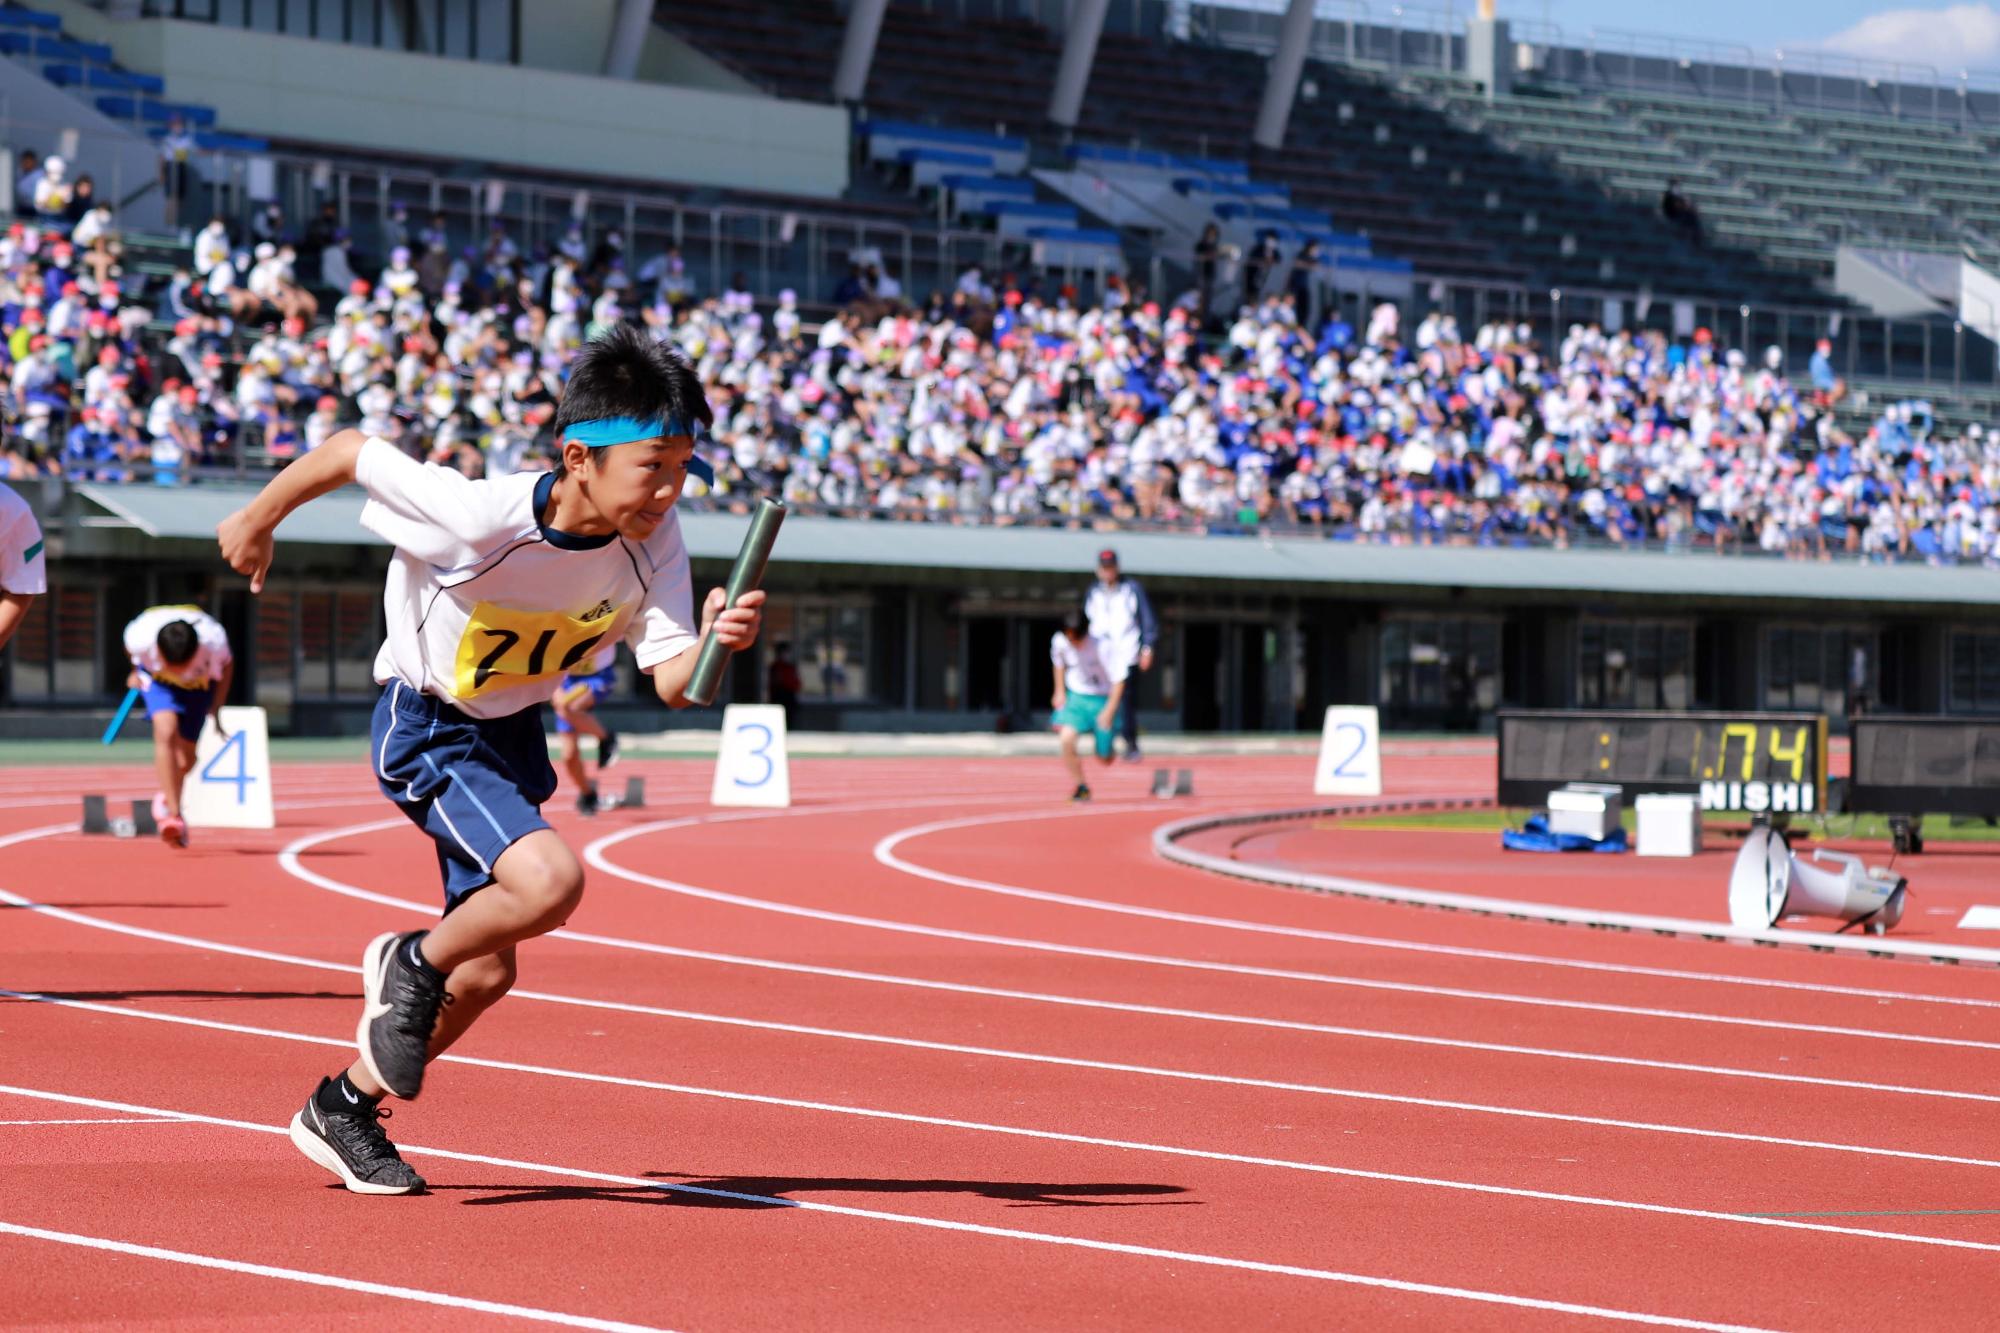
(1202, 676)
(986, 664)
(1256, 649)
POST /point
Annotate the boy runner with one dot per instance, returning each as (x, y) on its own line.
(1086, 696)
(576, 703)
(181, 667)
(498, 587)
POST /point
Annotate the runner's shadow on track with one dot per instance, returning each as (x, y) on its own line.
(192, 995)
(771, 1191)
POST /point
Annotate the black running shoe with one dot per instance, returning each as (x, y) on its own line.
(586, 803)
(1082, 793)
(352, 1145)
(398, 1014)
(607, 749)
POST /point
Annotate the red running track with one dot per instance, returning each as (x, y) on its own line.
(935, 1049)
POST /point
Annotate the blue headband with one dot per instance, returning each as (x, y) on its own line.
(603, 433)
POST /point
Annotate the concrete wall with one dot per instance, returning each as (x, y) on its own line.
(295, 88)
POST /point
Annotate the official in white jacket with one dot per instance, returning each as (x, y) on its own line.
(1122, 622)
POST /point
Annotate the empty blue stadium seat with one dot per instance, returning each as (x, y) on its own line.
(1021, 208)
(13, 16)
(1076, 235)
(1011, 186)
(63, 76)
(218, 141)
(938, 135)
(199, 116)
(1221, 168)
(124, 81)
(62, 48)
(15, 43)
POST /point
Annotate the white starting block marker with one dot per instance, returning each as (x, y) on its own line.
(750, 767)
(230, 783)
(1980, 918)
(1350, 754)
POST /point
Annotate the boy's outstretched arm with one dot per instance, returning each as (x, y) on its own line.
(245, 536)
(737, 628)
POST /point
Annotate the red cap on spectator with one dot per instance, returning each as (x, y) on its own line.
(359, 286)
(39, 340)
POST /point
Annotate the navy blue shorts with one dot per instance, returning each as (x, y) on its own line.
(191, 705)
(600, 685)
(475, 784)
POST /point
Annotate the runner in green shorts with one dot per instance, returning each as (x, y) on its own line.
(1086, 697)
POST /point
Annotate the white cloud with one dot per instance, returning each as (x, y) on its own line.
(1952, 38)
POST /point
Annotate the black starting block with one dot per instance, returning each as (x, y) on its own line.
(632, 798)
(1167, 783)
(97, 818)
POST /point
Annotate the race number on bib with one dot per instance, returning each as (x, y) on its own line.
(503, 647)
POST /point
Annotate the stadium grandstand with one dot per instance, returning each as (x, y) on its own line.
(1377, 344)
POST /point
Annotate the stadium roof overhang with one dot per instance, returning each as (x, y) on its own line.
(130, 521)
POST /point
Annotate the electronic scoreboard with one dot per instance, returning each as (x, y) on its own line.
(1762, 763)
(1925, 765)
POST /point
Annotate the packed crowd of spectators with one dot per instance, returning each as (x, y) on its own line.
(995, 402)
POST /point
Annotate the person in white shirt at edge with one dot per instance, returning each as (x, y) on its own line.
(181, 666)
(23, 570)
(1122, 621)
(1087, 692)
(497, 588)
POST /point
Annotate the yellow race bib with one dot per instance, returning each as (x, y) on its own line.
(504, 647)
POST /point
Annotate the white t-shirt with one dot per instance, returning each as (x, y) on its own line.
(22, 566)
(1082, 664)
(209, 660)
(487, 609)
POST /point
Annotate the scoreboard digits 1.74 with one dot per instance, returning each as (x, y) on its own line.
(1756, 762)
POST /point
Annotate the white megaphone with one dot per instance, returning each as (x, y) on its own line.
(1768, 881)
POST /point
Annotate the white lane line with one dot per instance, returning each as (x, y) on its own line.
(594, 854)
(116, 1120)
(959, 988)
(1043, 1135)
(694, 1016)
(885, 852)
(963, 1228)
(312, 1279)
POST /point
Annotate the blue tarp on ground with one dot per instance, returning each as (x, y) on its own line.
(1535, 837)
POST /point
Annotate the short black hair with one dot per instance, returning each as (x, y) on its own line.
(626, 372)
(1074, 622)
(177, 642)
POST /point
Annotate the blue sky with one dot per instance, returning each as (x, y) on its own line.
(1941, 32)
